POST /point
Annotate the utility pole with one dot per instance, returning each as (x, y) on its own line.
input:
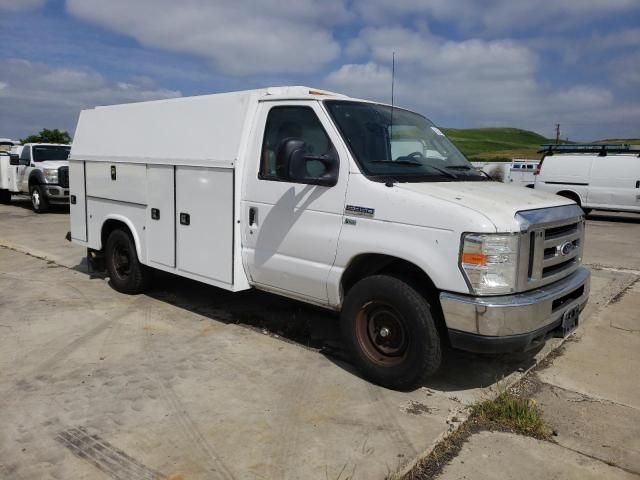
(557, 133)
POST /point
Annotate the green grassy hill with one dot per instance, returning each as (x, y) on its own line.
(495, 144)
(505, 144)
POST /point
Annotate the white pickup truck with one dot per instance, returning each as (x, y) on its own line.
(355, 206)
(40, 170)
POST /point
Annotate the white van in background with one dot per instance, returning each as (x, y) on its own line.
(606, 177)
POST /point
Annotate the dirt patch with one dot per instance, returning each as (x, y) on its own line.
(417, 408)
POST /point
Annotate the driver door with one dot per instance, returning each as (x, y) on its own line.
(24, 169)
(291, 230)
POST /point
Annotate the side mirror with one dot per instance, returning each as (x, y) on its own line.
(14, 159)
(293, 154)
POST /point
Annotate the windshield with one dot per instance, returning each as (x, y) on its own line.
(398, 145)
(43, 153)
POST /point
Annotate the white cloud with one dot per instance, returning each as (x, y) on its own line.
(478, 83)
(495, 15)
(37, 96)
(239, 36)
(21, 5)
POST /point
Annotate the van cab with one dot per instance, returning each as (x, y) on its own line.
(358, 207)
(601, 176)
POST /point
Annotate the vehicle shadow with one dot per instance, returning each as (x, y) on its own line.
(603, 216)
(24, 202)
(318, 329)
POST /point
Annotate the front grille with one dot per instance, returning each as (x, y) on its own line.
(552, 244)
(63, 177)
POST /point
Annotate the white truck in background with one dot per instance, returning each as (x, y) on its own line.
(355, 206)
(602, 176)
(39, 170)
(518, 172)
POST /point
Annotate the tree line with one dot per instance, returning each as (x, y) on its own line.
(48, 136)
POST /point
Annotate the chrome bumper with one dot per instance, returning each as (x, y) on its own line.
(56, 193)
(517, 314)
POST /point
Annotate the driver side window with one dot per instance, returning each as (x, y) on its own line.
(25, 156)
(300, 123)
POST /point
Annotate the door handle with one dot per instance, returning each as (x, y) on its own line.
(637, 183)
(185, 219)
(252, 216)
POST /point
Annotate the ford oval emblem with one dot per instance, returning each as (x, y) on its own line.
(566, 248)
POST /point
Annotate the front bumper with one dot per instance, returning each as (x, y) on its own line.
(57, 194)
(512, 322)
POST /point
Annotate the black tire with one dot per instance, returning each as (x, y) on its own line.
(410, 349)
(5, 197)
(39, 201)
(126, 273)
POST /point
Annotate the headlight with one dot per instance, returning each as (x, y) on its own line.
(490, 261)
(51, 175)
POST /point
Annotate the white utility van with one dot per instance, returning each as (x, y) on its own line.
(351, 205)
(606, 177)
(39, 170)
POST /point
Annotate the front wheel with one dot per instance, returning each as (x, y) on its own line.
(390, 333)
(126, 273)
(39, 201)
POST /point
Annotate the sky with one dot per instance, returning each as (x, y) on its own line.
(462, 63)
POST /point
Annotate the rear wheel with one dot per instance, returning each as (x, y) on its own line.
(5, 197)
(39, 201)
(390, 332)
(126, 273)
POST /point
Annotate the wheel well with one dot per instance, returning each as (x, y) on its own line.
(571, 196)
(34, 180)
(366, 265)
(108, 227)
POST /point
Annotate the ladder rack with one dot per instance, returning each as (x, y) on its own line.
(602, 149)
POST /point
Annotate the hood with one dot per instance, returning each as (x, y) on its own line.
(496, 201)
(52, 164)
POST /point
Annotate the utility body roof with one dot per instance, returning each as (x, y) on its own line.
(206, 130)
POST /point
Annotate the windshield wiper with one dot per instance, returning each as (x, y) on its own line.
(442, 171)
(418, 164)
(459, 167)
(401, 162)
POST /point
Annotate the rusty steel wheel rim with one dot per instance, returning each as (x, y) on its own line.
(121, 261)
(381, 334)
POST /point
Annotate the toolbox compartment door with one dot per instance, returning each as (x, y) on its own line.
(78, 200)
(161, 226)
(204, 222)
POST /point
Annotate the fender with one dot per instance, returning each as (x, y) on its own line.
(132, 229)
(36, 177)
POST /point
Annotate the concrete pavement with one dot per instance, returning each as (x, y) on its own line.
(193, 382)
(506, 456)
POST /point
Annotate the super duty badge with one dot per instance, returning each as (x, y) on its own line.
(359, 211)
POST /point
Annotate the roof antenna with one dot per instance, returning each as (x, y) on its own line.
(393, 76)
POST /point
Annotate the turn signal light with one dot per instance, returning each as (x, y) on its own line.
(474, 259)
